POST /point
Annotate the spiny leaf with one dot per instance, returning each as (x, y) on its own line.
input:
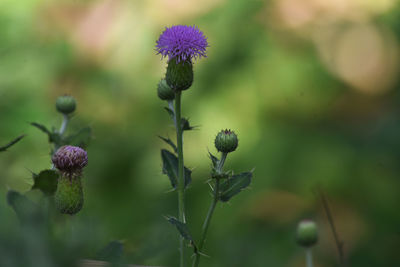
(181, 227)
(234, 185)
(46, 181)
(186, 125)
(171, 113)
(170, 168)
(54, 136)
(16, 140)
(27, 211)
(169, 142)
(214, 159)
(81, 138)
(41, 127)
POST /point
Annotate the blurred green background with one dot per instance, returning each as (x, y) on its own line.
(310, 86)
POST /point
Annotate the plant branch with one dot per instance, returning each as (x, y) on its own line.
(338, 241)
(210, 212)
(309, 260)
(64, 124)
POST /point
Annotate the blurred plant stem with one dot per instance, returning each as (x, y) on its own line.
(210, 212)
(181, 179)
(64, 124)
(63, 128)
(309, 261)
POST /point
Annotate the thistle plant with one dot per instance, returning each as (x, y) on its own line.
(182, 45)
(63, 179)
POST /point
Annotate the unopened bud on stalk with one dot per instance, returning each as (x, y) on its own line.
(226, 141)
(307, 234)
(165, 92)
(65, 104)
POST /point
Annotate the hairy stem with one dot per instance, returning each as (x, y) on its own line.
(64, 124)
(181, 178)
(309, 261)
(210, 212)
(63, 127)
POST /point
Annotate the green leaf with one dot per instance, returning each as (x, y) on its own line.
(27, 211)
(181, 227)
(112, 252)
(170, 168)
(186, 125)
(214, 159)
(41, 127)
(16, 140)
(169, 142)
(234, 185)
(46, 181)
(81, 138)
(171, 113)
(54, 136)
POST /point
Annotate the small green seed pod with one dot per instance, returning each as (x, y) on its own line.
(165, 92)
(307, 234)
(69, 194)
(226, 141)
(179, 76)
(65, 104)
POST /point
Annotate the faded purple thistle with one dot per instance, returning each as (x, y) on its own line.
(70, 159)
(182, 42)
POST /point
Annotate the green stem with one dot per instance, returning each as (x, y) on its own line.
(64, 124)
(221, 162)
(309, 261)
(210, 212)
(181, 178)
(62, 130)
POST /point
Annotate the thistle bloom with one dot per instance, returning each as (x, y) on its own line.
(307, 234)
(226, 141)
(70, 159)
(182, 42)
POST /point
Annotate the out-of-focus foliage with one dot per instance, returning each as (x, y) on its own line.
(311, 88)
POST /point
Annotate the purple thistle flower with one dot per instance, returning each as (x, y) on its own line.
(182, 42)
(70, 159)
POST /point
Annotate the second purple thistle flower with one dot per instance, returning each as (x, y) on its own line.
(182, 42)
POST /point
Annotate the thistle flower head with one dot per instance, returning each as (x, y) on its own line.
(182, 42)
(307, 234)
(66, 104)
(70, 158)
(226, 141)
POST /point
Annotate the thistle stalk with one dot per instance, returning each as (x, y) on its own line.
(210, 212)
(309, 260)
(181, 178)
(64, 124)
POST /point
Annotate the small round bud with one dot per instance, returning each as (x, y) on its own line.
(165, 92)
(226, 141)
(307, 235)
(65, 104)
(179, 75)
(70, 159)
(69, 195)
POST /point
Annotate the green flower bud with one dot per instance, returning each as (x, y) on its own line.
(165, 92)
(65, 104)
(69, 194)
(179, 76)
(226, 141)
(307, 235)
